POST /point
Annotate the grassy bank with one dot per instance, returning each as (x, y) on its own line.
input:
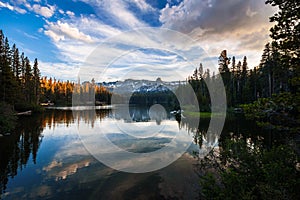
(197, 114)
(202, 114)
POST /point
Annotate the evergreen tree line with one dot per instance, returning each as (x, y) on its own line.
(278, 72)
(22, 87)
(245, 86)
(19, 80)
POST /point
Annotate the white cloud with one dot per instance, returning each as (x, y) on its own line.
(142, 5)
(6, 5)
(121, 14)
(20, 10)
(20, 1)
(117, 11)
(27, 5)
(45, 11)
(62, 30)
(60, 70)
(12, 8)
(95, 27)
(54, 36)
(31, 36)
(61, 11)
(74, 45)
(70, 13)
(76, 37)
(146, 53)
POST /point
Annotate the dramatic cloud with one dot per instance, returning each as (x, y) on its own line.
(240, 26)
(215, 16)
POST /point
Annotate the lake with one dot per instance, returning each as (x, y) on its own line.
(63, 154)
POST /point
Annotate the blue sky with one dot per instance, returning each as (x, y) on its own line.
(63, 34)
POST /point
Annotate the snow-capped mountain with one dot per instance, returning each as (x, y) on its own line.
(140, 86)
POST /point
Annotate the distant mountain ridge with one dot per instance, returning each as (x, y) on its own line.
(141, 86)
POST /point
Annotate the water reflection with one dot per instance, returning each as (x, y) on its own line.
(45, 158)
(22, 146)
(18, 148)
(136, 140)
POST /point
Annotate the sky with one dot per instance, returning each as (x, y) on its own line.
(117, 39)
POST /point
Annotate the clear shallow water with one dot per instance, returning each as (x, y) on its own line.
(49, 157)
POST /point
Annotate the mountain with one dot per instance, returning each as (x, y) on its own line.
(130, 86)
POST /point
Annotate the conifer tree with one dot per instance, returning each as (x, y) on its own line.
(28, 82)
(286, 37)
(36, 82)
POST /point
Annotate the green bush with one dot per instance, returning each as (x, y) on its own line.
(280, 112)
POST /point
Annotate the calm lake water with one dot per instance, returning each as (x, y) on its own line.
(49, 156)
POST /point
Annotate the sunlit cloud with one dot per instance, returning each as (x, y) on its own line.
(218, 25)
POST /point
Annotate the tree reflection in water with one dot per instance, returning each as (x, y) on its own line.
(16, 149)
(25, 140)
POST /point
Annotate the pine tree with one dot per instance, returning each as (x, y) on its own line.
(16, 65)
(16, 68)
(238, 81)
(28, 82)
(286, 30)
(7, 77)
(2, 68)
(36, 82)
(244, 79)
(23, 65)
(286, 37)
(245, 65)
